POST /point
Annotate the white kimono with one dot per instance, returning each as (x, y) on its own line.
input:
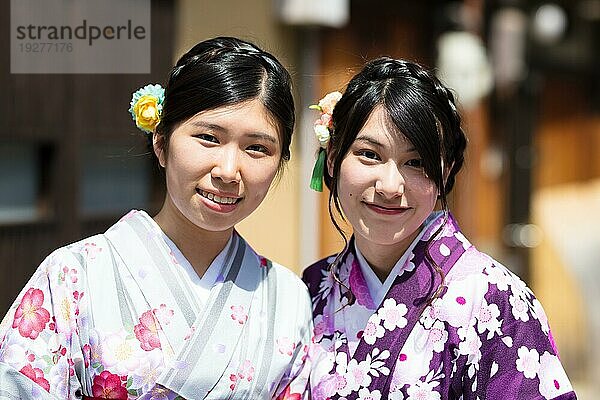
(116, 316)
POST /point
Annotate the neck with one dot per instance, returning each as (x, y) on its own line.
(199, 246)
(383, 257)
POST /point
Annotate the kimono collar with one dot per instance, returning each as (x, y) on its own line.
(409, 295)
(378, 289)
(211, 275)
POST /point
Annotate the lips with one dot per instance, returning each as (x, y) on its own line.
(218, 199)
(218, 202)
(386, 209)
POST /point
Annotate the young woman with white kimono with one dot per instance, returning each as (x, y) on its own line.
(177, 305)
(410, 309)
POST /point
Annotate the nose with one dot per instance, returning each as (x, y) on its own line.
(226, 167)
(390, 183)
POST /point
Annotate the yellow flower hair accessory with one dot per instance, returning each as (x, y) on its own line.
(322, 128)
(146, 107)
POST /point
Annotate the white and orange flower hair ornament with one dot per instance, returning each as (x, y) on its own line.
(146, 107)
(322, 128)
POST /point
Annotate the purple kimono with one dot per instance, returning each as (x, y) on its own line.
(485, 337)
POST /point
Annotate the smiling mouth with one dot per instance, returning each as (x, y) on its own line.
(218, 199)
(386, 209)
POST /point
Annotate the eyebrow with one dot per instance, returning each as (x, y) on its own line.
(253, 135)
(263, 136)
(201, 124)
(375, 142)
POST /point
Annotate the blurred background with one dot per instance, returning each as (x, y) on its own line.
(527, 76)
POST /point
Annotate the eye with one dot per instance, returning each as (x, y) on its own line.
(258, 148)
(368, 154)
(207, 137)
(415, 163)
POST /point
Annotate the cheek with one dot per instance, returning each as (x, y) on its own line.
(260, 179)
(350, 179)
(426, 190)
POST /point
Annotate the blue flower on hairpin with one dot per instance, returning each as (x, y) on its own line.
(146, 107)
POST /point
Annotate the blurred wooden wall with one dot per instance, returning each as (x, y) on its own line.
(380, 28)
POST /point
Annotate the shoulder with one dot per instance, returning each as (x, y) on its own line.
(88, 249)
(286, 279)
(497, 286)
(289, 287)
(500, 279)
(285, 275)
(314, 273)
(74, 253)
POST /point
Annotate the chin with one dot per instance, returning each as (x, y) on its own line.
(386, 238)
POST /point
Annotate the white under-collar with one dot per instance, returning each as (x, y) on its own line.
(378, 289)
(204, 283)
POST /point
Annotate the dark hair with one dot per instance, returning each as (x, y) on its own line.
(224, 71)
(419, 106)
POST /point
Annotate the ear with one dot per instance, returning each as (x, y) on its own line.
(158, 144)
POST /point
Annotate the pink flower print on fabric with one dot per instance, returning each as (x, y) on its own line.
(244, 372)
(437, 337)
(470, 344)
(36, 375)
(359, 287)
(373, 330)
(288, 395)
(326, 388)
(423, 390)
(519, 308)
(68, 275)
(109, 386)
(528, 362)
(357, 374)
(341, 385)
(163, 314)
(147, 332)
(239, 314)
(91, 250)
(488, 319)
(553, 380)
(190, 333)
(87, 352)
(392, 314)
(365, 394)
(285, 346)
(323, 325)
(65, 308)
(31, 318)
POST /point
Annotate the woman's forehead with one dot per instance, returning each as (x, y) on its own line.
(380, 124)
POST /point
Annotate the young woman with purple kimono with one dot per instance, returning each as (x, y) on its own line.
(177, 306)
(410, 309)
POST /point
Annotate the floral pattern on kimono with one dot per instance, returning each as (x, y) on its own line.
(113, 316)
(485, 337)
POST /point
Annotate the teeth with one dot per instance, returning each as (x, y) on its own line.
(217, 199)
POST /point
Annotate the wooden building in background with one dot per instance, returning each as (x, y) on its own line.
(72, 161)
